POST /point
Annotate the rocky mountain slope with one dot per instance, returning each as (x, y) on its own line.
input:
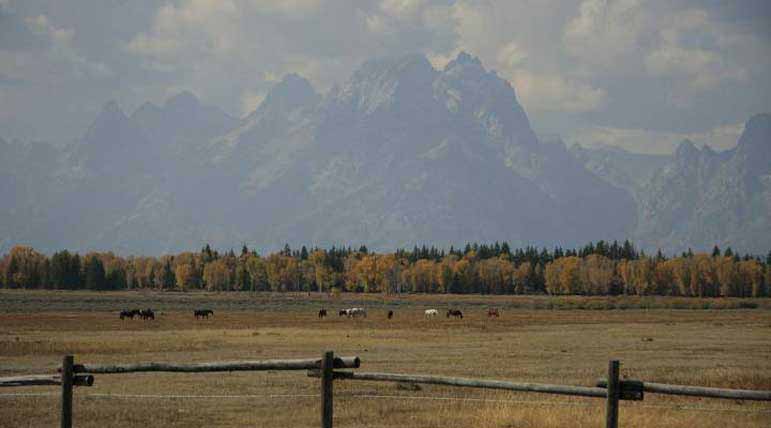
(400, 154)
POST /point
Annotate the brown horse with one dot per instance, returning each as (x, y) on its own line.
(322, 313)
(493, 312)
(203, 313)
(455, 313)
(390, 314)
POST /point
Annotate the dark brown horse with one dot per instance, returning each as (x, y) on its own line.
(455, 313)
(202, 313)
(129, 313)
(322, 313)
(390, 314)
(147, 314)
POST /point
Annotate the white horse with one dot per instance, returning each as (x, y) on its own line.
(357, 312)
(431, 313)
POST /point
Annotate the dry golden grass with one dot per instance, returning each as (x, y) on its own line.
(725, 348)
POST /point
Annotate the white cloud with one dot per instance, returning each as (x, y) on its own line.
(604, 31)
(61, 49)
(703, 68)
(553, 92)
(511, 55)
(404, 9)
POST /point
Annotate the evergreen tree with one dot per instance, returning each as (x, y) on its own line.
(715, 251)
(168, 279)
(93, 275)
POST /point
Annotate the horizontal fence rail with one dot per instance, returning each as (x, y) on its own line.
(298, 364)
(43, 380)
(701, 391)
(580, 391)
(31, 380)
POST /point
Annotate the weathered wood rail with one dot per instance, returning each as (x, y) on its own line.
(233, 366)
(580, 391)
(43, 380)
(700, 391)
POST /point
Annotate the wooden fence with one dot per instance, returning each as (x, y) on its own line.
(612, 388)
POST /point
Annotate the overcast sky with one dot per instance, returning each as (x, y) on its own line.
(634, 73)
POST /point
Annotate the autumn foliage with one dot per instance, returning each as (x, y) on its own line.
(596, 269)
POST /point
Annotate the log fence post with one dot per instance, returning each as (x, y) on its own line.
(67, 380)
(327, 379)
(614, 393)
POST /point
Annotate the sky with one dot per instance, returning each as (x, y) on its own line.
(638, 74)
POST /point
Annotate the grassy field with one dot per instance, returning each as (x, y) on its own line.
(724, 343)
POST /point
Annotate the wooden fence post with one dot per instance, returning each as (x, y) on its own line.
(67, 376)
(327, 379)
(614, 393)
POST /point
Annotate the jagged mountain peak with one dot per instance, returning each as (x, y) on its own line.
(464, 60)
(754, 145)
(394, 66)
(183, 101)
(110, 111)
(467, 88)
(110, 119)
(686, 150)
(291, 92)
(757, 133)
(388, 82)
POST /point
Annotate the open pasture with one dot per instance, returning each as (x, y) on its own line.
(528, 342)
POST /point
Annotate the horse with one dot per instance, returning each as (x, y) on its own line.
(390, 314)
(430, 313)
(129, 313)
(203, 313)
(322, 313)
(493, 312)
(343, 312)
(455, 313)
(357, 312)
(147, 314)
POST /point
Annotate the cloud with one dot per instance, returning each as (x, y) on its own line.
(62, 50)
(702, 64)
(511, 55)
(553, 92)
(605, 31)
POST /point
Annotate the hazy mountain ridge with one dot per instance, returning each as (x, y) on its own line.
(621, 168)
(400, 154)
(703, 197)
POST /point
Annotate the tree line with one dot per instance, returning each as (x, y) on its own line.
(600, 268)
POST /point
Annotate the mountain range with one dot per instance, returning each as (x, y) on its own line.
(401, 154)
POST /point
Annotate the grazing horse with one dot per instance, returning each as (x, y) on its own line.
(147, 314)
(322, 313)
(129, 313)
(455, 313)
(357, 312)
(203, 313)
(430, 313)
(390, 314)
(493, 312)
(343, 312)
